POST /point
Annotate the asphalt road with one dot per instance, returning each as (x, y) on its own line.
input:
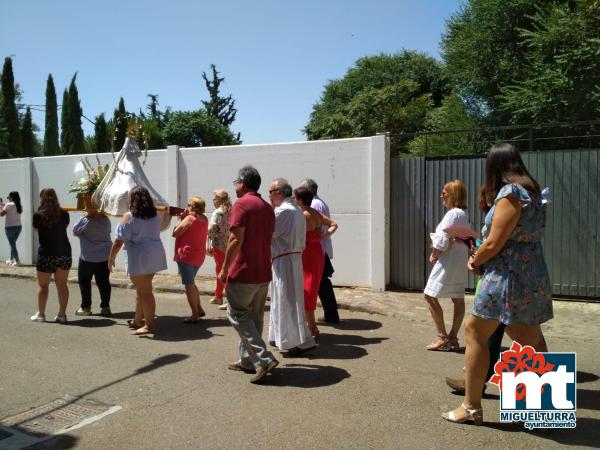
(370, 384)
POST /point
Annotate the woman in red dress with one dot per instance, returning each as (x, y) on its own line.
(313, 257)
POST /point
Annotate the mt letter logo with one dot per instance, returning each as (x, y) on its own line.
(538, 389)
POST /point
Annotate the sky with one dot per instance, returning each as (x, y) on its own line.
(276, 55)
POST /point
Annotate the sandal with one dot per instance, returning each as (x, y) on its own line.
(315, 334)
(475, 414)
(440, 344)
(453, 344)
(191, 319)
(133, 324)
(142, 331)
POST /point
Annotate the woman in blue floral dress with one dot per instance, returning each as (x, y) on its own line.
(515, 289)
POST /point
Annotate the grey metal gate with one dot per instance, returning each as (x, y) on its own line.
(572, 237)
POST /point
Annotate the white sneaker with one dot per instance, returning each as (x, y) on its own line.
(16, 264)
(223, 307)
(37, 317)
(61, 319)
(8, 262)
(83, 312)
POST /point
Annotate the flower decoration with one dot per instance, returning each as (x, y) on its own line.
(92, 178)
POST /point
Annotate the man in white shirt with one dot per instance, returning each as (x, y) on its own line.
(326, 293)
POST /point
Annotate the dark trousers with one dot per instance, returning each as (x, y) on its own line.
(494, 345)
(99, 271)
(326, 294)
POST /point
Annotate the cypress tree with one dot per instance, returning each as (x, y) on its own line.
(9, 110)
(77, 144)
(221, 108)
(4, 153)
(51, 146)
(65, 127)
(27, 136)
(101, 135)
(120, 123)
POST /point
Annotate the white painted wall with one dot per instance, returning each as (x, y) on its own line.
(352, 175)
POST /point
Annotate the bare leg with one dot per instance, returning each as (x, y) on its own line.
(201, 312)
(60, 279)
(143, 286)
(139, 312)
(477, 357)
(193, 297)
(311, 322)
(528, 335)
(438, 319)
(43, 279)
(457, 319)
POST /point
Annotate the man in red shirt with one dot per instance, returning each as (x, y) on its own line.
(247, 270)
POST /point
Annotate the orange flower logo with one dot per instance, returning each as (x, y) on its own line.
(517, 360)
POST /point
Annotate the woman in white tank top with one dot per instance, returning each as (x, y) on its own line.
(12, 210)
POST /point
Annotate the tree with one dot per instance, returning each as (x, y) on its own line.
(65, 128)
(4, 153)
(153, 135)
(221, 108)
(120, 125)
(75, 113)
(72, 139)
(484, 51)
(27, 136)
(101, 142)
(380, 93)
(153, 112)
(51, 146)
(451, 115)
(9, 112)
(561, 79)
(196, 129)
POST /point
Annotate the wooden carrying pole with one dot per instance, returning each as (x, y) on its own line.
(74, 208)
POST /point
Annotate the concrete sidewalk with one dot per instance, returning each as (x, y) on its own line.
(409, 307)
(387, 303)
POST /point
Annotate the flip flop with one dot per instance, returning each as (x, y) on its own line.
(191, 320)
(141, 332)
(132, 324)
(443, 346)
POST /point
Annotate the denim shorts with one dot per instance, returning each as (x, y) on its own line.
(187, 272)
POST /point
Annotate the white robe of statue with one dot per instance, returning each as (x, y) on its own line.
(125, 173)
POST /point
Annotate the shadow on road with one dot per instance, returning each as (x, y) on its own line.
(173, 329)
(58, 442)
(588, 399)
(586, 377)
(306, 376)
(92, 323)
(350, 339)
(122, 315)
(341, 346)
(66, 441)
(353, 324)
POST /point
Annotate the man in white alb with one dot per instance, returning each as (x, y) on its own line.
(288, 330)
